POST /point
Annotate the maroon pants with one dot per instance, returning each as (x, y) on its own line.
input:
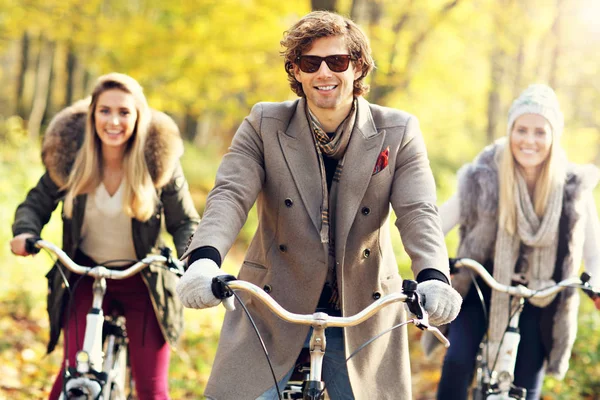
(148, 351)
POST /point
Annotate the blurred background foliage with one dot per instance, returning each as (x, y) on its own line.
(456, 64)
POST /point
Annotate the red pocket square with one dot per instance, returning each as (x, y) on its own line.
(382, 161)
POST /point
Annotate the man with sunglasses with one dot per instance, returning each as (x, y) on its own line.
(325, 169)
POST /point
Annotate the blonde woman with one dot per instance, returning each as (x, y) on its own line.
(114, 163)
(528, 215)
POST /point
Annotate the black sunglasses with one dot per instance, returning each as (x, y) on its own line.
(336, 63)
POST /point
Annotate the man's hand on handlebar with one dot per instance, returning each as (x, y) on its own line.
(440, 300)
(17, 244)
(195, 286)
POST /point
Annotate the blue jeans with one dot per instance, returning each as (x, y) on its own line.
(335, 372)
(465, 334)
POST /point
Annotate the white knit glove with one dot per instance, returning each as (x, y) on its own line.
(440, 300)
(194, 287)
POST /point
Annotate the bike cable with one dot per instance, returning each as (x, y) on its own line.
(362, 346)
(485, 315)
(262, 343)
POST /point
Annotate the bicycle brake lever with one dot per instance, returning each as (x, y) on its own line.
(171, 264)
(229, 303)
(439, 335)
(221, 290)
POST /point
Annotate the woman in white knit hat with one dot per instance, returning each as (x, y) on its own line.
(527, 214)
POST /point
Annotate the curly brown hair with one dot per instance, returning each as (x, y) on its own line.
(319, 24)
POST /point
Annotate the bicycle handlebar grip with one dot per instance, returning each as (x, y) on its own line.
(219, 288)
(585, 279)
(452, 262)
(30, 246)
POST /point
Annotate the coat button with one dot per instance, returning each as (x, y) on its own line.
(282, 248)
(288, 202)
(366, 210)
(376, 295)
(366, 253)
(267, 288)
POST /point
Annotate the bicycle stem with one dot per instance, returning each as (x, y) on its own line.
(92, 343)
(317, 346)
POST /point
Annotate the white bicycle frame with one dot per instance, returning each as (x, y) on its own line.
(91, 356)
(320, 321)
(502, 375)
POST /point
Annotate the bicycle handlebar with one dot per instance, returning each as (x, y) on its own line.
(324, 320)
(34, 244)
(520, 290)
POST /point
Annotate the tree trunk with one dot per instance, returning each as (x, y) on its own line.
(42, 85)
(556, 51)
(70, 67)
(190, 128)
(204, 129)
(359, 11)
(50, 103)
(519, 66)
(399, 78)
(21, 62)
(494, 109)
(326, 5)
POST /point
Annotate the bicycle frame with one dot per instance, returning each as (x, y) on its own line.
(320, 321)
(93, 372)
(497, 384)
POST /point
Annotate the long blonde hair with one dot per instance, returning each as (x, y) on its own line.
(551, 173)
(139, 200)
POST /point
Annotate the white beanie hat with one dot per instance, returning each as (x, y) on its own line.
(537, 99)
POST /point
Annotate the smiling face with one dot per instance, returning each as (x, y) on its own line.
(327, 91)
(530, 142)
(114, 119)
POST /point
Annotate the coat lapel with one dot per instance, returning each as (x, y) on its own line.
(361, 155)
(299, 151)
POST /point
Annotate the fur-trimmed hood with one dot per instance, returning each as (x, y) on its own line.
(64, 137)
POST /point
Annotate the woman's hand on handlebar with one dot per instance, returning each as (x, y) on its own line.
(17, 244)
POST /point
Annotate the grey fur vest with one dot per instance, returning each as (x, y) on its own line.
(478, 192)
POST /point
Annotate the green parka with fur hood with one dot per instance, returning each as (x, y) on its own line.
(163, 149)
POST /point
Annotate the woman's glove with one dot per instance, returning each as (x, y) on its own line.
(194, 287)
(440, 300)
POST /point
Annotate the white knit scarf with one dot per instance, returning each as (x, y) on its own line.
(541, 236)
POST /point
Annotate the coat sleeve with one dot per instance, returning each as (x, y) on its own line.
(417, 215)
(591, 252)
(181, 217)
(33, 213)
(239, 180)
(450, 213)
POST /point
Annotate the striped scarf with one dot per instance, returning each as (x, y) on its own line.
(333, 147)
